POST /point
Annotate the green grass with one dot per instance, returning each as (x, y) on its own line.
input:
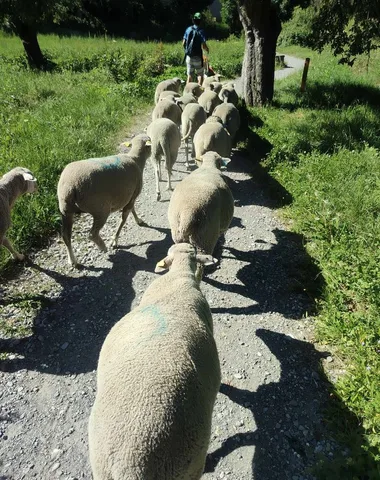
(97, 87)
(323, 146)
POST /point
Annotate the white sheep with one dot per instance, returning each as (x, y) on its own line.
(214, 86)
(185, 100)
(202, 206)
(174, 84)
(99, 186)
(212, 136)
(212, 78)
(228, 94)
(193, 116)
(166, 141)
(167, 108)
(209, 100)
(230, 117)
(194, 88)
(168, 93)
(13, 184)
(157, 380)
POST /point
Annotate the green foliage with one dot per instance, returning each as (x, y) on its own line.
(298, 29)
(324, 148)
(230, 16)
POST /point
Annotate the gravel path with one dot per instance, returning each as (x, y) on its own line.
(267, 419)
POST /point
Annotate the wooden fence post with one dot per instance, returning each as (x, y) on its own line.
(304, 75)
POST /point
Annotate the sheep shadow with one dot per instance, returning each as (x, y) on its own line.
(292, 439)
(260, 188)
(69, 331)
(287, 413)
(283, 278)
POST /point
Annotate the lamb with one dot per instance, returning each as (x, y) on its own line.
(13, 184)
(209, 100)
(212, 136)
(193, 116)
(213, 78)
(165, 108)
(228, 94)
(194, 88)
(230, 117)
(173, 84)
(166, 141)
(99, 186)
(157, 380)
(202, 206)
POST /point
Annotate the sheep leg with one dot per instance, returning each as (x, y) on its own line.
(138, 220)
(16, 255)
(157, 175)
(169, 187)
(67, 228)
(99, 221)
(124, 215)
(187, 153)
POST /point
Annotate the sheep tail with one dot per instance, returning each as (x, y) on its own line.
(185, 137)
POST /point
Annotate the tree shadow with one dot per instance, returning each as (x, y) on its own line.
(69, 332)
(283, 278)
(290, 436)
(338, 94)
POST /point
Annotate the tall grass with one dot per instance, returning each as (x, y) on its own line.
(324, 148)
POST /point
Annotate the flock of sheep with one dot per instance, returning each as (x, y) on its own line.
(158, 372)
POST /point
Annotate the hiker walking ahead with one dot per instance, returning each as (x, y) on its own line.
(194, 41)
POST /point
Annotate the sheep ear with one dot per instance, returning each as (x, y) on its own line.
(206, 259)
(162, 265)
(28, 176)
(225, 161)
(149, 143)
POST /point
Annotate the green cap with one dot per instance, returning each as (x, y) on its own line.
(197, 15)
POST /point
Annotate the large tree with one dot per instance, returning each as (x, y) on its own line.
(350, 27)
(26, 17)
(262, 26)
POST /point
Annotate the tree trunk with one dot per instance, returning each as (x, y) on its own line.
(262, 27)
(28, 36)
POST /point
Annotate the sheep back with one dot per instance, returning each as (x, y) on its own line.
(167, 109)
(157, 380)
(209, 100)
(99, 184)
(200, 209)
(212, 137)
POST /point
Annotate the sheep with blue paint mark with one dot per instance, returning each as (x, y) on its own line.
(100, 186)
(157, 379)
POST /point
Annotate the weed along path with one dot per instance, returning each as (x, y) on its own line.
(267, 420)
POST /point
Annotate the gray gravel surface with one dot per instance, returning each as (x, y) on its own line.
(267, 420)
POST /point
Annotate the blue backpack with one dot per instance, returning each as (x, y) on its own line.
(194, 43)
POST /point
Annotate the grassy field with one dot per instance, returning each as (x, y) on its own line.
(80, 109)
(323, 148)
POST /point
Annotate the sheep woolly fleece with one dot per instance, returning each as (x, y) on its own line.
(157, 380)
(202, 206)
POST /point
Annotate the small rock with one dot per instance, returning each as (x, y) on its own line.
(329, 359)
(64, 345)
(55, 467)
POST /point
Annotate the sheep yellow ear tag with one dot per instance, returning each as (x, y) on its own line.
(127, 144)
(149, 143)
(161, 264)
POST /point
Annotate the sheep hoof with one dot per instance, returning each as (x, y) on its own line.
(141, 223)
(158, 197)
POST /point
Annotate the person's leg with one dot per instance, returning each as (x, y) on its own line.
(189, 69)
(200, 71)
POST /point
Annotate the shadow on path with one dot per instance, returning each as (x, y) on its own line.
(69, 332)
(287, 412)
